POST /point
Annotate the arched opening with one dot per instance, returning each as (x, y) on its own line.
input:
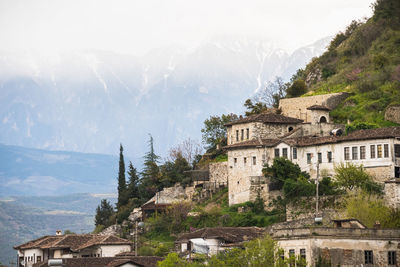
(290, 129)
(322, 119)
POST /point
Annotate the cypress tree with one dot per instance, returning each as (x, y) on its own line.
(122, 196)
(103, 213)
(150, 183)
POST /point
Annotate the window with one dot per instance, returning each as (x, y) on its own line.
(379, 151)
(247, 133)
(329, 156)
(264, 158)
(392, 257)
(284, 152)
(372, 148)
(386, 150)
(346, 153)
(276, 152)
(354, 152)
(303, 253)
(234, 161)
(369, 257)
(309, 155)
(397, 151)
(244, 161)
(322, 119)
(290, 129)
(242, 136)
(397, 172)
(237, 135)
(362, 152)
(254, 161)
(294, 153)
(291, 252)
(319, 157)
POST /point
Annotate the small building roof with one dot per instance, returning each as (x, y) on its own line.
(318, 107)
(228, 234)
(74, 242)
(304, 141)
(266, 118)
(143, 261)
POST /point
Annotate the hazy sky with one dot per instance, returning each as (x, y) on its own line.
(133, 26)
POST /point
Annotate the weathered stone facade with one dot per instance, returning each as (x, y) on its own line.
(297, 107)
(392, 193)
(218, 172)
(392, 113)
(344, 247)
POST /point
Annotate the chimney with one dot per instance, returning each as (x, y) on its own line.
(58, 232)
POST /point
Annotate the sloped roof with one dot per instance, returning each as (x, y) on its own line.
(228, 234)
(144, 261)
(73, 241)
(267, 118)
(255, 142)
(379, 133)
(318, 107)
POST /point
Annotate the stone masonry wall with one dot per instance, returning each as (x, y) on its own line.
(392, 194)
(393, 114)
(297, 107)
(219, 172)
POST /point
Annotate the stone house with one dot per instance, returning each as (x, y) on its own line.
(210, 241)
(347, 244)
(317, 146)
(70, 246)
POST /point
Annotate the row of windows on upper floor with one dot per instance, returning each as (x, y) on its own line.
(242, 134)
(358, 152)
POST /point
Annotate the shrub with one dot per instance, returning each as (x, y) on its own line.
(355, 126)
(146, 251)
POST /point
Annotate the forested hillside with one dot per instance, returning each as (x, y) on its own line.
(364, 60)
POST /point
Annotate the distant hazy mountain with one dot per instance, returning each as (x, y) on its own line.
(33, 172)
(26, 218)
(90, 101)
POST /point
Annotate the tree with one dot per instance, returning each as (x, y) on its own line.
(271, 94)
(188, 149)
(173, 172)
(214, 130)
(122, 196)
(132, 189)
(350, 176)
(298, 88)
(150, 182)
(255, 108)
(103, 213)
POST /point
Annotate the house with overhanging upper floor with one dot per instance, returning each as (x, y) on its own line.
(70, 246)
(314, 143)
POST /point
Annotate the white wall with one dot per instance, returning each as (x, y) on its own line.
(28, 253)
(112, 250)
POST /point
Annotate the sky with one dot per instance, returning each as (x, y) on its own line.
(136, 27)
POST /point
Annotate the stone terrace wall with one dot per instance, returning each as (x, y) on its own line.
(393, 114)
(219, 172)
(297, 107)
(392, 193)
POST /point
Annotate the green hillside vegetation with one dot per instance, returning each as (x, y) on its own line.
(364, 61)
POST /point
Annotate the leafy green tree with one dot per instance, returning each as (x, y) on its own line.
(122, 194)
(254, 108)
(173, 260)
(350, 176)
(297, 88)
(132, 190)
(150, 175)
(173, 172)
(214, 130)
(369, 209)
(281, 170)
(103, 213)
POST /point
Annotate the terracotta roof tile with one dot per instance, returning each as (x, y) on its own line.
(228, 234)
(267, 118)
(144, 261)
(318, 107)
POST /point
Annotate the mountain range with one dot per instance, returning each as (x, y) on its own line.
(91, 101)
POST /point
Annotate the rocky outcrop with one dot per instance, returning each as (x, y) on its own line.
(392, 114)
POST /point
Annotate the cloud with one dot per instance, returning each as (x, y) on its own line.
(137, 26)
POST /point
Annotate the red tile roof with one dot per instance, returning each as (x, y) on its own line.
(73, 241)
(318, 107)
(144, 261)
(267, 118)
